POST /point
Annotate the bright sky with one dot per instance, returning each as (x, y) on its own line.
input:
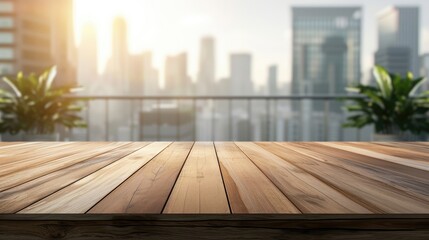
(260, 27)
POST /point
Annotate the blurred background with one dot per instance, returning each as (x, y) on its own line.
(263, 70)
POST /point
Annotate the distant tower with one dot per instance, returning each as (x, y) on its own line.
(398, 39)
(206, 74)
(87, 73)
(272, 80)
(241, 74)
(142, 75)
(34, 38)
(117, 67)
(326, 58)
(176, 74)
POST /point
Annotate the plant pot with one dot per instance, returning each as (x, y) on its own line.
(387, 137)
(53, 137)
(6, 137)
(400, 137)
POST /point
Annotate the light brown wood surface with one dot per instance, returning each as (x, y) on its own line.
(148, 189)
(220, 178)
(199, 188)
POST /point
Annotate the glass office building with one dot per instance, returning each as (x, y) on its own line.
(326, 49)
(326, 59)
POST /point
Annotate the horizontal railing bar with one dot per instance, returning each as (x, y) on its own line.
(291, 97)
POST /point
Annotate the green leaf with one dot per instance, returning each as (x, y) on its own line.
(383, 80)
(12, 86)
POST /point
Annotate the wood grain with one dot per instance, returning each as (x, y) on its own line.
(308, 193)
(17, 198)
(199, 188)
(249, 190)
(214, 178)
(411, 180)
(148, 189)
(374, 195)
(22, 172)
(80, 196)
(407, 162)
(198, 226)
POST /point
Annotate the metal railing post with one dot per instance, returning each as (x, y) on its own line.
(158, 119)
(249, 112)
(213, 120)
(326, 118)
(194, 106)
(88, 120)
(178, 121)
(268, 118)
(230, 128)
(106, 123)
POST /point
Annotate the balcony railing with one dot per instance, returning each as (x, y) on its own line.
(219, 118)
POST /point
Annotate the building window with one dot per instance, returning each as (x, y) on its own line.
(6, 53)
(6, 7)
(6, 22)
(6, 38)
(6, 68)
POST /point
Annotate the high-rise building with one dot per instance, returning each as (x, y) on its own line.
(34, 35)
(241, 74)
(326, 59)
(398, 39)
(326, 49)
(117, 70)
(63, 44)
(150, 76)
(424, 71)
(142, 74)
(176, 75)
(206, 73)
(87, 74)
(272, 80)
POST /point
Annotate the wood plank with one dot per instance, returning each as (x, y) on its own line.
(306, 192)
(50, 164)
(248, 189)
(374, 195)
(38, 155)
(199, 188)
(148, 189)
(407, 162)
(411, 180)
(225, 226)
(80, 196)
(396, 149)
(17, 198)
(25, 155)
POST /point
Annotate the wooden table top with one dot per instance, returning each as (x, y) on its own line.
(214, 178)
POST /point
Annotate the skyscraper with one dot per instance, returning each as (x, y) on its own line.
(326, 58)
(33, 38)
(326, 49)
(150, 76)
(241, 74)
(176, 75)
(398, 39)
(142, 74)
(63, 45)
(117, 70)
(87, 73)
(424, 71)
(272, 80)
(206, 73)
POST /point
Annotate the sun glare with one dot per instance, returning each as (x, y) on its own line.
(100, 14)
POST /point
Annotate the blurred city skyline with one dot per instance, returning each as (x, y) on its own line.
(259, 28)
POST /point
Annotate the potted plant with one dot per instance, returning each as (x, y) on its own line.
(31, 107)
(391, 106)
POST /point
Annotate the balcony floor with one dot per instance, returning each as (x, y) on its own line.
(214, 178)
